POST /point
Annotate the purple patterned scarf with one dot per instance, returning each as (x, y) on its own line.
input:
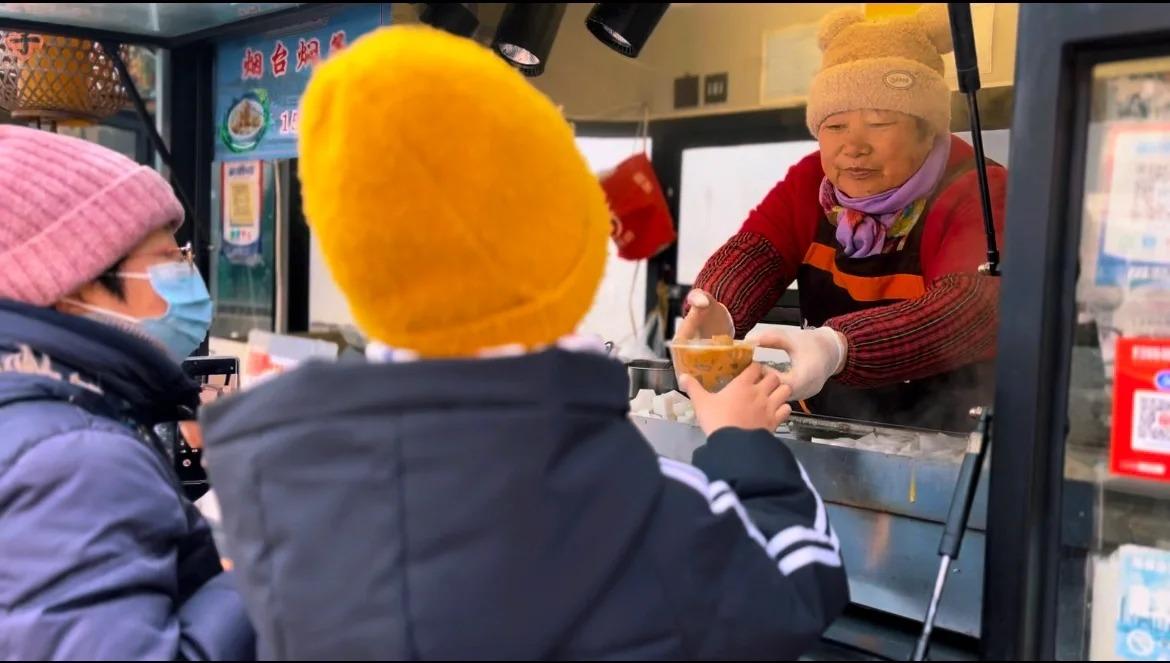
(864, 224)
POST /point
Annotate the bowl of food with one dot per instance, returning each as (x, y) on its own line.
(714, 362)
(246, 119)
(245, 122)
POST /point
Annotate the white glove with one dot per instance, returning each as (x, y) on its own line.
(816, 355)
(707, 318)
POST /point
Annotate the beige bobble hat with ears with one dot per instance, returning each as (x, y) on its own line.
(890, 63)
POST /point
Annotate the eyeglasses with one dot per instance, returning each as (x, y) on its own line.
(183, 254)
(187, 254)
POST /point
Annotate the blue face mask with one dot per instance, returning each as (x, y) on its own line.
(188, 316)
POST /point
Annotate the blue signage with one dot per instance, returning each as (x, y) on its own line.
(259, 81)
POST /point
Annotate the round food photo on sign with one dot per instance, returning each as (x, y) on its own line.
(245, 122)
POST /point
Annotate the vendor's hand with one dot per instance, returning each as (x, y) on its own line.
(816, 356)
(705, 319)
(755, 400)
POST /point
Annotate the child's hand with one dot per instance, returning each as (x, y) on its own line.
(754, 400)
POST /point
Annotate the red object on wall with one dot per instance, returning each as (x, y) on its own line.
(642, 225)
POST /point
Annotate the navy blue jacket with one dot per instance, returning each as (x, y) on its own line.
(101, 556)
(508, 509)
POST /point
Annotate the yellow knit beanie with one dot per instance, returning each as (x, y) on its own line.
(890, 63)
(448, 195)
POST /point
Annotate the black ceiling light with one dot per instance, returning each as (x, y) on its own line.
(526, 33)
(625, 26)
(454, 17)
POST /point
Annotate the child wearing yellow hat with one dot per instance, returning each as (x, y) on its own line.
(476, 489)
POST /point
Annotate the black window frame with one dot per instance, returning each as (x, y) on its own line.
(1059, 46)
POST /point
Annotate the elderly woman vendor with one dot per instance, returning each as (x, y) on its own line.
(882, 230)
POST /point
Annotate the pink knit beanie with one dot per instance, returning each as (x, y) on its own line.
(69, 209)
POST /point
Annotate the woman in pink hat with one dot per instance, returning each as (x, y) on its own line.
(103, 557)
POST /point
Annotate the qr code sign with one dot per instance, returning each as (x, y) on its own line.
(1151, 421)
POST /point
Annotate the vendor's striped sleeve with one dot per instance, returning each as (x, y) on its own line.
(952, 325)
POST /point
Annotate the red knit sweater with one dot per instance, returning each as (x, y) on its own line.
(953, 324)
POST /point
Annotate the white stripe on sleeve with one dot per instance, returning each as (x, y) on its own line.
(721, 498)
(802, 557)
(820, 533)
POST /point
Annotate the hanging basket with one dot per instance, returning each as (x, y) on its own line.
(59, 79)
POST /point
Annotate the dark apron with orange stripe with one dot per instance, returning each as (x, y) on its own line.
(831, 284)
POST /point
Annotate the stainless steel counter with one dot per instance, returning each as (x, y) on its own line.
(888, 509)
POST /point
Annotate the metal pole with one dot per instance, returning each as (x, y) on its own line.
(967, 70)
(992, 266)
(920, 649)
(960, 511)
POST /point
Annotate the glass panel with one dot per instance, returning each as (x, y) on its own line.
(1115, 578)
(159, 19)
(143, 67)
(122, 141)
